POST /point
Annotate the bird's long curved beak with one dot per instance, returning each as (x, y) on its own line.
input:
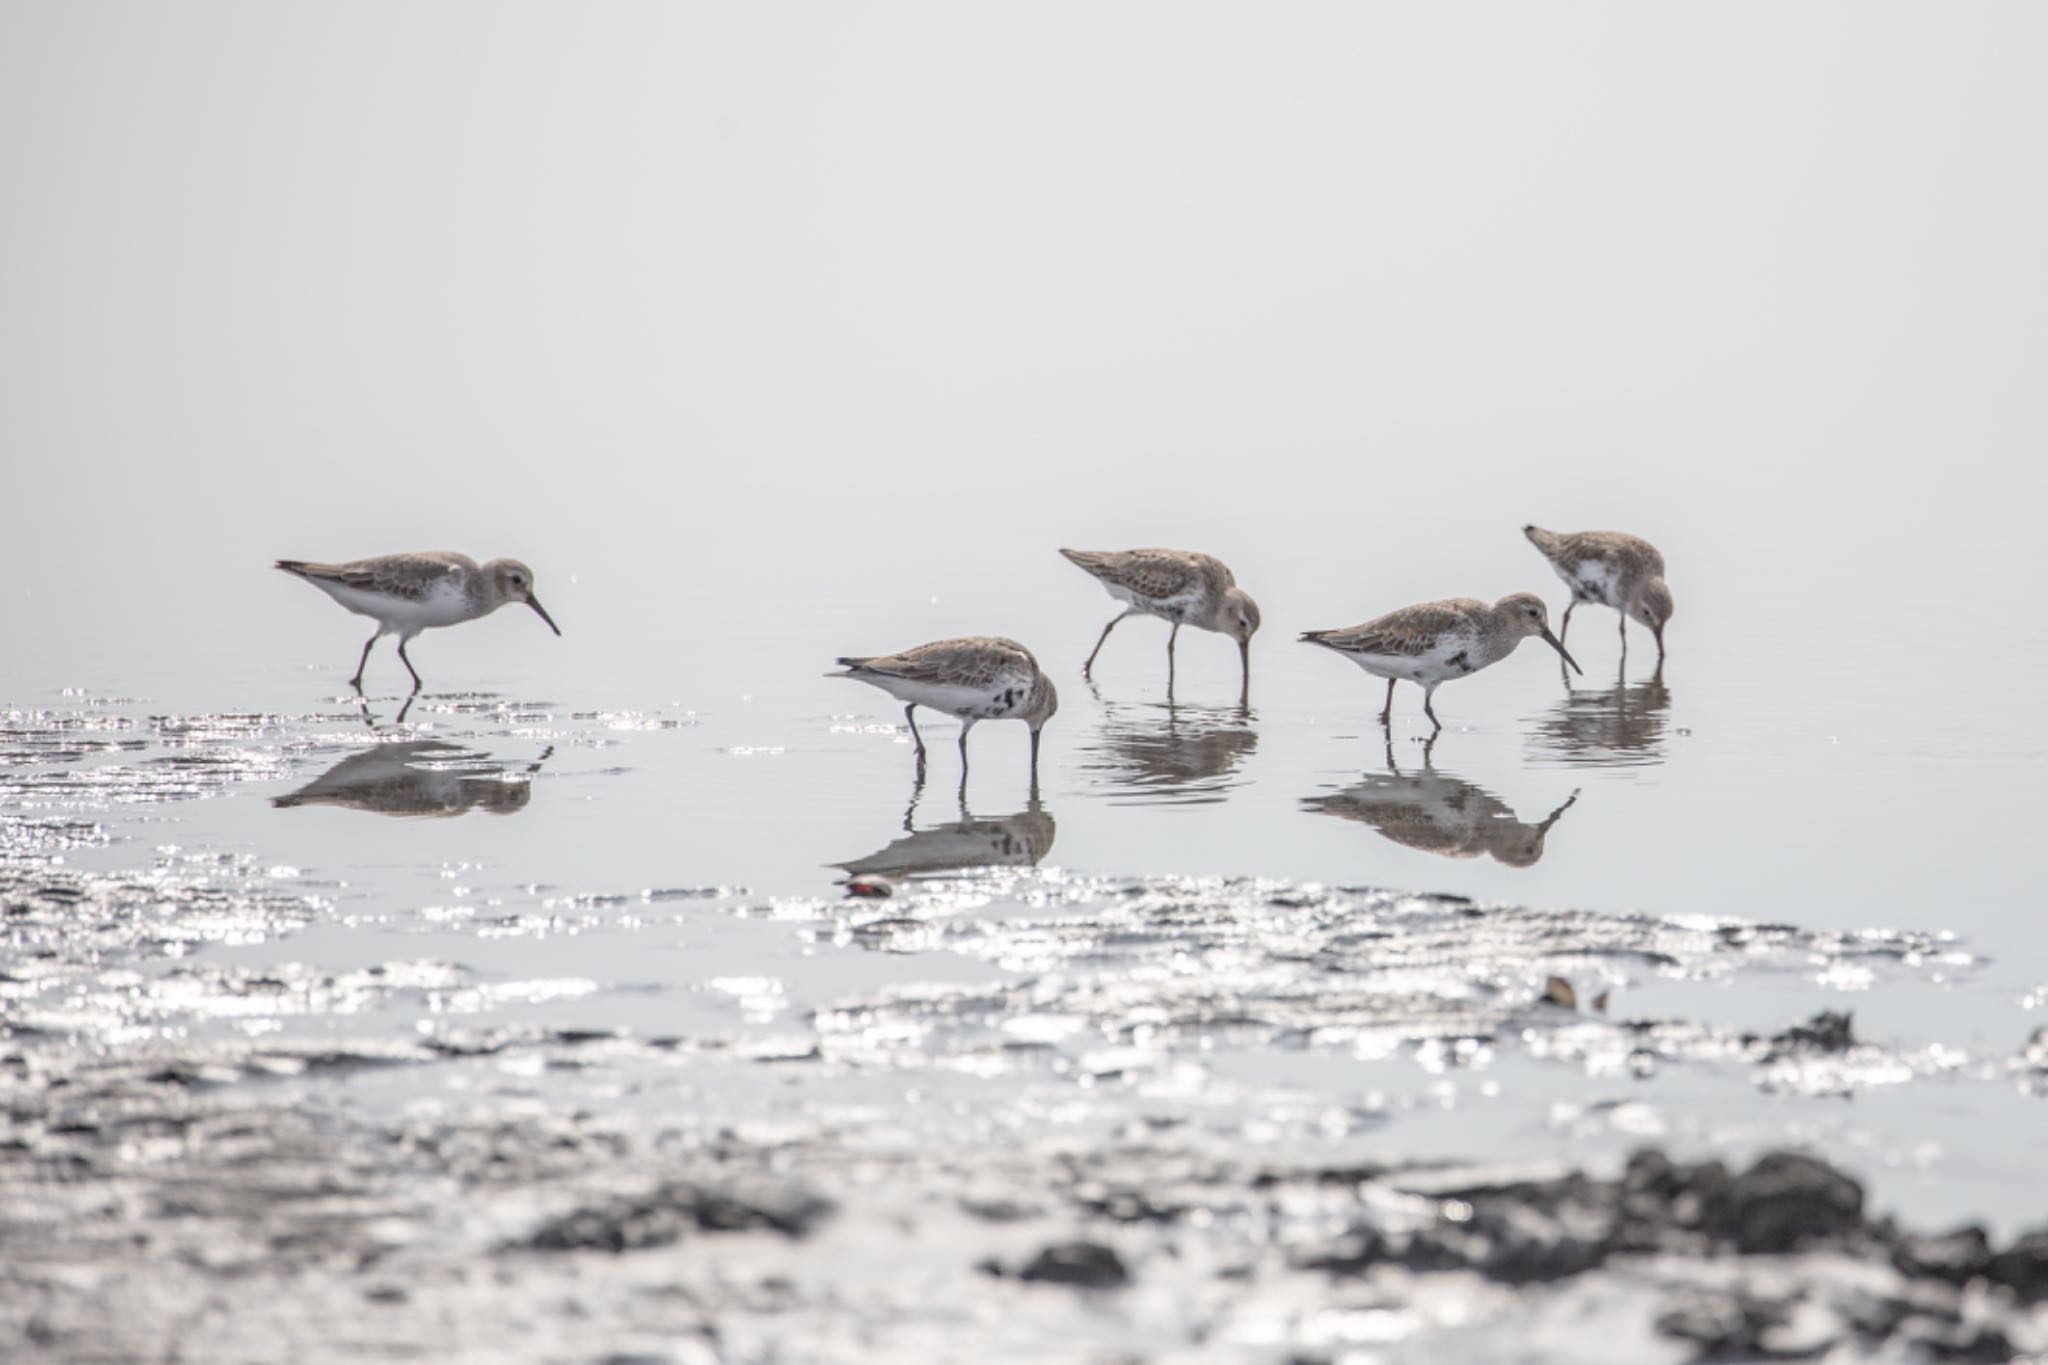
(1558, 645)
(534, 602)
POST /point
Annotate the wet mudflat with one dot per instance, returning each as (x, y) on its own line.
(400, 1104)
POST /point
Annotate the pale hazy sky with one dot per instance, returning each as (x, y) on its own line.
(669, 290)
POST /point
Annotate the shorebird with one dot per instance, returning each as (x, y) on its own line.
(981, 677)
(1624, 572)
(406, 594)
(1180, 586)
(1433, 642)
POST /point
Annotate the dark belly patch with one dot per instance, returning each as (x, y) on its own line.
(1461, 661)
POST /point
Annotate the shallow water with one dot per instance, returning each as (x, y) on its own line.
(1263, 933)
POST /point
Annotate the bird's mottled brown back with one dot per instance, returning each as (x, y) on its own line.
(1407, 633)
(1158, 574)
(408, 576)
(972, 661)
(1637, 557)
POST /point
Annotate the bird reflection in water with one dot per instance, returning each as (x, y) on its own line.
(1020, 840)
(425, 778)
(1614, 726)
(1171, 754)
(1438, 813)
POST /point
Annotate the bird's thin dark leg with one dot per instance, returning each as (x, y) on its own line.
(1387, 711)
(1034, 761)
(1429, 696)
(910, 719)
(357, 681)
(417, 683)
(1090, 665)
(1564, 627)
(1172, 637)
(1624, 637)
(399, 719)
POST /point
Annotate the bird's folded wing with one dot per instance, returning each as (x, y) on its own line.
(1405, 634)
(1149, 574)
(408, 576)
(954, 664)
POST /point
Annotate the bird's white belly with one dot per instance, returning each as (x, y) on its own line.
(981, 703)
(1171, 608)
(442, 605)
(1596, 580)
(1451, 659)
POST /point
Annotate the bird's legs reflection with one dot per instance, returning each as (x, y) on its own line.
(1428, 753)
(916, 794)
(370, 717)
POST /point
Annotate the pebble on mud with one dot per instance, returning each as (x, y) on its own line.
(1827, 1031)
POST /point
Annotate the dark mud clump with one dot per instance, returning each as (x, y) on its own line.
(1087, 1264)
(665, 1214)
(1943, 1298)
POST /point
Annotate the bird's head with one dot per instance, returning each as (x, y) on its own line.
(512, 581)
(1652, 606)
(1527, 615)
